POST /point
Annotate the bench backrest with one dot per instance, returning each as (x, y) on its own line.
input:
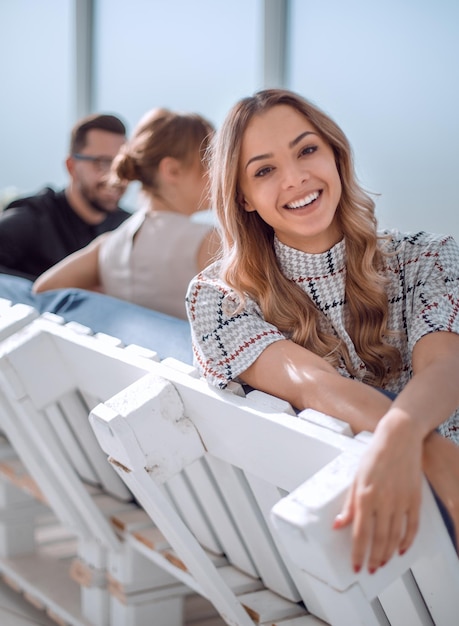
(241, 488)
(214, 470)
(50, 378)
(14, 316)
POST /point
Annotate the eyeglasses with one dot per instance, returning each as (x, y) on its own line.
(101, 163)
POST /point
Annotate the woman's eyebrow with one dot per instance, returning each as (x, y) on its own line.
(292, 144)
(259, 157)
(296, 141)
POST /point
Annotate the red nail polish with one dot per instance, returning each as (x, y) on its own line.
(402, 552)
(372, 570)
(383, 563)
(357, 568)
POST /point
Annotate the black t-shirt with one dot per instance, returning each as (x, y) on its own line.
(39, 231)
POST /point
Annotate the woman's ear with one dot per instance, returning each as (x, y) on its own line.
(242, 202)
(248, 207)
(169, 169)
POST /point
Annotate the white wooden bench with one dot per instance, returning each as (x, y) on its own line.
(14, 316)
(237, 496)
(244, 492)
(51, 375)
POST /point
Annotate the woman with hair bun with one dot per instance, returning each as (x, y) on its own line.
(151, 258)
(311, 303)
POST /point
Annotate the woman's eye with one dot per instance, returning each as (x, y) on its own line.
(263, 172)
(308, 150)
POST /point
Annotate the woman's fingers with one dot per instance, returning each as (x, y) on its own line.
(378, 533)
(376, 530)
(411, 527)
(361, 526)
(383, 506)
(345, 517)
(386, 535)
(362, 532)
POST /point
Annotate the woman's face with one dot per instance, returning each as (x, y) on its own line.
(288, 175)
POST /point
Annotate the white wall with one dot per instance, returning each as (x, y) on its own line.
(199, 55)
(36, 92)
(387, 72)
(190, 56)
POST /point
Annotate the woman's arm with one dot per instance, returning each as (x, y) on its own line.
(289, 371)
(432, 394)
(404, 442)
(383, 503)
(79, 270)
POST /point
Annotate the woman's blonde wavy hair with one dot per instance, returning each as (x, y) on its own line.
(249, 263)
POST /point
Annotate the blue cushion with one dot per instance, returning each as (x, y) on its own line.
(167, 335)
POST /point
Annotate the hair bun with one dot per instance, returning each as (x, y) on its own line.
(125, 167)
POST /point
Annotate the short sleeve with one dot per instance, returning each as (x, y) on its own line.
(432, 269)
(432, 286)
(226, 341)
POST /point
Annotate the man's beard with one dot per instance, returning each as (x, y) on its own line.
(99, 207)
(94, 203)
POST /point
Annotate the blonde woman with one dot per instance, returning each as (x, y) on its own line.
(151, 258)
(310, 303)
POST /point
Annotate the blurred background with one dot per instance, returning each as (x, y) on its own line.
(387, 72)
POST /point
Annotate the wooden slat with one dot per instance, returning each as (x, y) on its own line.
(432, 575)
(206, 490)
(190, 509)
(185, 544)
(402, 597)
(251, 522)
(131, 520)
(267, 607)
(279, 579)
(70, 445)
(76, 413)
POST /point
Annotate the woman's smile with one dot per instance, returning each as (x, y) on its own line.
(304, 202)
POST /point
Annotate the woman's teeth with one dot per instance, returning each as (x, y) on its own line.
(304, 201)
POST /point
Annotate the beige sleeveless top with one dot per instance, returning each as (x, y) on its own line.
(151, 258)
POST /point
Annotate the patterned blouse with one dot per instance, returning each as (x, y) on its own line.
(423, 296)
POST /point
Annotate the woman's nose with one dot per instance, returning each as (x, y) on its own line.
(294, 175)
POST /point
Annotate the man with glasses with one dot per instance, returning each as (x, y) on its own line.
(38, 231)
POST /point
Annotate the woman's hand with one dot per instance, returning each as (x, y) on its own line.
(384, 500)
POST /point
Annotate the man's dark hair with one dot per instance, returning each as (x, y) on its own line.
(110, 123)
